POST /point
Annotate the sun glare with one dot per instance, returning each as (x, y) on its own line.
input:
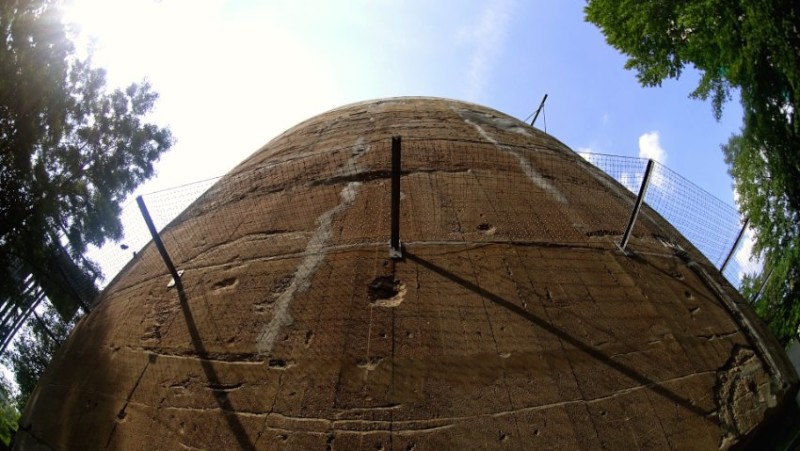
(88, 15)
(116, 33)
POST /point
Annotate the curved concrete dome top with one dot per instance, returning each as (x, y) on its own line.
(513, 320)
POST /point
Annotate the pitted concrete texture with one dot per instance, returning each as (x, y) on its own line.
(513, 320)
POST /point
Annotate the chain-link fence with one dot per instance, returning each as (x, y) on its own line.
(293, 216)
(710, 224)
(458, 192)
(461, 184)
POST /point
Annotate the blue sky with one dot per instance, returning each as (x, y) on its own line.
(234, 74)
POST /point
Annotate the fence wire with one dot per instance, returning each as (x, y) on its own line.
(710, 224)
(293, 214)
(472, 193)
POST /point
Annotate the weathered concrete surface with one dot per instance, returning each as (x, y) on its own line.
(513, 322)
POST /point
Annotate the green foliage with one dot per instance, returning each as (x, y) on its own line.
(781, 277)
(763, 196)
(752, 46)
(9, 415)
(35, 347)
(70, 151)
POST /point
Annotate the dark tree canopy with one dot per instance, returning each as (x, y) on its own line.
(34, 349)
(71, 150)
(752, 46)
(9, 414)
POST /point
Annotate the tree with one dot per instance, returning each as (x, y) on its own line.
(35, 346)
(752, 46)
(777, 289)
(71, 150)
(9, 415)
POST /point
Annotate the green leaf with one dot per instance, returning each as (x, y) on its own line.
(751, 46)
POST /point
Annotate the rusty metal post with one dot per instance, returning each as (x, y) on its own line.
(539, 110)
(395, 252)
(638, 205)
(157, 240)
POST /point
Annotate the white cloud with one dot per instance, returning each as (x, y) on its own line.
(486, 37)
(650, 147)
(587, 153)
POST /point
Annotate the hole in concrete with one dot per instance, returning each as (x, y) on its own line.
(384, 287)
(386, 291)
(282, 284)
(486, 228)
(280, 364)
(224, 283)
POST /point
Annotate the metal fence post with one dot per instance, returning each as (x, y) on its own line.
(735, 245)
(638, 205)
(157, 240)
(395, 252)
(763, 286)
(538, 110)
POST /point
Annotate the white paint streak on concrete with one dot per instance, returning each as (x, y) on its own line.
(537, 178)
(524, 164)
(315, 252)
(614, 186)
(482, 132)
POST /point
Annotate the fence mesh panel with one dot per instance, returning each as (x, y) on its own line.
(710, 224)
(286, 214)
(462, 183)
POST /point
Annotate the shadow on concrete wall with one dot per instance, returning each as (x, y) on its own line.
(562, 335)
(220, 397)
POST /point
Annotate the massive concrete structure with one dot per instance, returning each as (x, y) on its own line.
(513, 320)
